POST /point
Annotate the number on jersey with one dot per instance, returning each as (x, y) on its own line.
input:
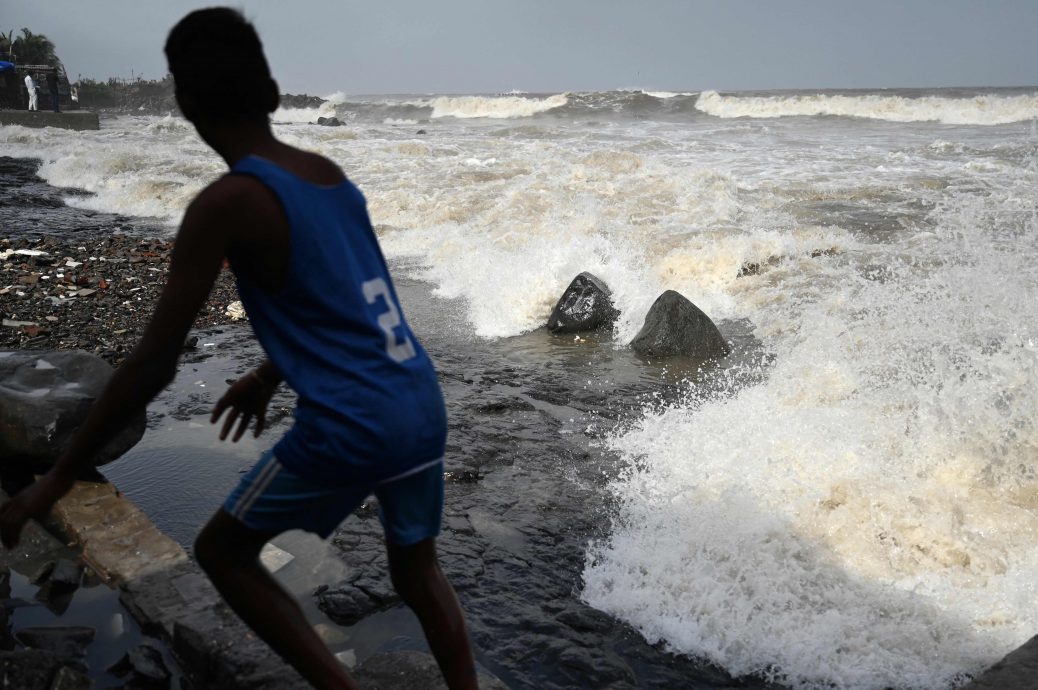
(399, 349)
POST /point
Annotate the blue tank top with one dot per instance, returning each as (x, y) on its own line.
(370, 407)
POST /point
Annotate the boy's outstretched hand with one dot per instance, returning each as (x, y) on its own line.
(247, 397)
(31, 502)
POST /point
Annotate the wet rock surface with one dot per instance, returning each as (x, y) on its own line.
(409, 669)
(675, 326)
(46, 397)
(143, 666)
(39, 670)
(584, 306)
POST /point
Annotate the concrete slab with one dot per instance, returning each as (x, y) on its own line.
(71, 119)
(117, 539)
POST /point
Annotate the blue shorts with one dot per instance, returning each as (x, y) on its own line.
(271, 499)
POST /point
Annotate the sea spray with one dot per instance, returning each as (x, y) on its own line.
(981, 109)
(865, 517)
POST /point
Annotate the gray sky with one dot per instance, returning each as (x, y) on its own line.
(487, 46)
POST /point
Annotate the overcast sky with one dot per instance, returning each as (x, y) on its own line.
(488, 46)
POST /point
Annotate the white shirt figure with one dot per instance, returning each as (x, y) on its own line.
(30, 86)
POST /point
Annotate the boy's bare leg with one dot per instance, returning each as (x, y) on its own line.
(229, 551)
(419, 581)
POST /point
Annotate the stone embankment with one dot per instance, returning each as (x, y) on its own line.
(70, 119)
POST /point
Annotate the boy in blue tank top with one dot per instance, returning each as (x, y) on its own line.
(370, 417)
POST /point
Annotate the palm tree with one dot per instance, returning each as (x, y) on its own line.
(6, 41)
(33, 49)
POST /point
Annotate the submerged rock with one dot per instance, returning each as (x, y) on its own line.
(584, 306)
(144, 666)
(46, 396)
(675, 326)
(348, 602)
(64, 641)
(329, 121)
(32, 669)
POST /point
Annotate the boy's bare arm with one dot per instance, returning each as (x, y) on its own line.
(197, 258)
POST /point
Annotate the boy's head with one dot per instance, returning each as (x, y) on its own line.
(217, 63)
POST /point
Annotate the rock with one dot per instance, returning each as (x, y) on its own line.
(329, 121)
(144, 665)
(584, 306)
(66, 576)
(421, 131)
(46, 396)
(235, 310)
(31, 669)
(289, 100)
(69, 679)
(410, 670)
(675, 326)
(1017, 671)
(344, 603)
(65, 641)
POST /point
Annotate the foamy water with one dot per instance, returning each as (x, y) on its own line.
(976, 110)
(867, 515)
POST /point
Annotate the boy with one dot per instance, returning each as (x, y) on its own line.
(370, 416)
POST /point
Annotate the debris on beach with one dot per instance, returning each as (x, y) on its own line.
(94, 295)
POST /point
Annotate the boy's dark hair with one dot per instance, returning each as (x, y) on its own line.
(216, 56)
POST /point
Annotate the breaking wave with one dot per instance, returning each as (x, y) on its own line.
(499, 107)
(981, 109)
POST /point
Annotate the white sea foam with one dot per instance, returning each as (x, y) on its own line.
(667, 94)
(304, 115)
(865, 517)
(336, 98)
(977, 110)
(494, 106)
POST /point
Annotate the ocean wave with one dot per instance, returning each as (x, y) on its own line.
(666, 95)
(983, 109)
(304, 115)
(500, 107)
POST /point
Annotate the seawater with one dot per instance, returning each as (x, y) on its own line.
(864, 514)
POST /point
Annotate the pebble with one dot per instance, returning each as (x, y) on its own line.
(96, 296)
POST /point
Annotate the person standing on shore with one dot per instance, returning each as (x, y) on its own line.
(30, 86)
(52, 88)
(370, 417)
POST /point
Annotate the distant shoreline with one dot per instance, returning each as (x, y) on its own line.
(153, 97)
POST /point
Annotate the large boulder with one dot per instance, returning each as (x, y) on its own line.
(584, 306)
(675, 326)
(329, 121)
(44, 397)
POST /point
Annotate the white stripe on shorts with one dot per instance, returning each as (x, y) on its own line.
(408, 473)
(264, 479)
